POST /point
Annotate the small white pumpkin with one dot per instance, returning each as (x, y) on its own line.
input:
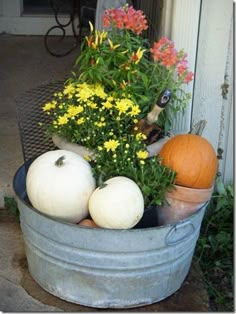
(59, 183)
(117, 204)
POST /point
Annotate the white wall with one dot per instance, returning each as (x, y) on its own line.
(181, 24)
(204, 29)
(214, 61)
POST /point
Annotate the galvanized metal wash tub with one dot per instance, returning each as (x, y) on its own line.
(106, 268)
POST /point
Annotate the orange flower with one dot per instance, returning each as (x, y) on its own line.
(125, 18)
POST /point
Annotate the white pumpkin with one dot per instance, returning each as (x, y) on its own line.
(59, 183)
(117, 204)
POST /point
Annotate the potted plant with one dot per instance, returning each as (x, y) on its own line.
(122, 101)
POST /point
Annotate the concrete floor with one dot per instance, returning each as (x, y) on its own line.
(25, 64)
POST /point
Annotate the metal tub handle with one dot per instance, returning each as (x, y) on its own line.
(172, 236)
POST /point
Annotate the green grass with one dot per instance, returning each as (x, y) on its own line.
(214, 250)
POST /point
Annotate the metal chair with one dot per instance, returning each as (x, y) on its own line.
(29, 117)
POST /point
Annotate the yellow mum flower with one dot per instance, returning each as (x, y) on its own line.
(100, 124)
(84, 91)
(69, 90)
(111, 145)
(107, 104)
(123, 105)
(135, 110)
(74, 110)
(142, 154)
(140, 136)
(62, 120)
(99, 91)
(80, 121)
(50, 105)
(87, 157)
(110, 98)
(92, 105)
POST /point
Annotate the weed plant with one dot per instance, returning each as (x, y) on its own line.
(214, 250)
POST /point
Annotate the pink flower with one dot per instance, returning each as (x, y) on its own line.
(125, 18)
(164, 52)
(188, 77)
(181, 67)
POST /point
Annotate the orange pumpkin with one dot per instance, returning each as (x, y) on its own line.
(193, 158)
(88, 223)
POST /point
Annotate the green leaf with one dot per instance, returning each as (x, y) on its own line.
(11, 205)
(220, 186)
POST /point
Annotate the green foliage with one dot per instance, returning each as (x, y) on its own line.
(125, 63)
(106, 125)
(214, 250)
(153, 179)
(11, 206)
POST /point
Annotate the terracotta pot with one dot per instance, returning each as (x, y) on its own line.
(182, 203)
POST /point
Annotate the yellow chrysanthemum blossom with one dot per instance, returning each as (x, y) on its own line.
(88, 158)
(135, 110)
(50, 105)
(140, 136)
(80, 121)
(111, 145)
(107, 104)
(62, 120)
(92, 104)
(69, 90)
(142, 154)
(99, 91)
(123, 105)
(84, 91)
(100, 124)
(72, 111)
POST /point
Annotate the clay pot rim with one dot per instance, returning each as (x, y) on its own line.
(190, 194)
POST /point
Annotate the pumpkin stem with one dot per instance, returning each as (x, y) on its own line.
(103, 185)
(198, 128)
(60, 161)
